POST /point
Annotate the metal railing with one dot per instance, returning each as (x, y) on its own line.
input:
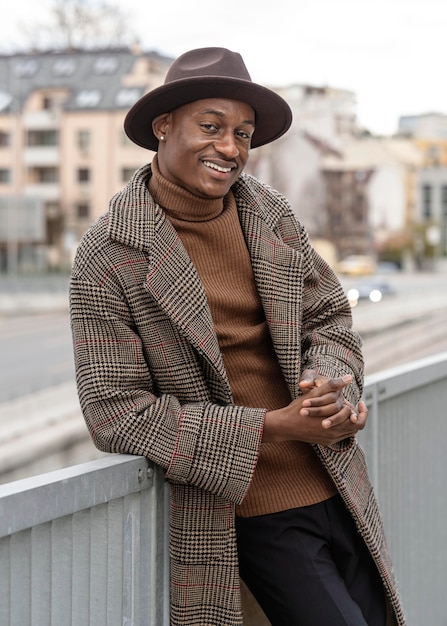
(87, 546)
(405, 446)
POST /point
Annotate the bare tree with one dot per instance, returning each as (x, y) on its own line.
(81, 24)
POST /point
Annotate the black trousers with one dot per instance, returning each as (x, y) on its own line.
(310, 567)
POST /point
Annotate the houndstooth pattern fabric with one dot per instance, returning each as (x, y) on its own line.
(151, 378)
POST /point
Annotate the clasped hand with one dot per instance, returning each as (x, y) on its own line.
(322, 415)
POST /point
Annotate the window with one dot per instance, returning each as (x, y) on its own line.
(47, 103)
(52, 209)
(426, 202)
(4, 139)
(49, 175)
(444, 219)
(83, 210)
(126, 173)
(64, 66)
(444, 200)
(105, 65)
(127, 97)
(5, 100)
(5, 176)
(83, 139)
(26, 68)
(42, 138)
(43, 175)
(433, 155)
(88, 98)
(83, 175)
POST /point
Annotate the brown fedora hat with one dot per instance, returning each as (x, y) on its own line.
(208, 73)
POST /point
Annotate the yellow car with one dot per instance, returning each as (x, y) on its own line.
(356, 265)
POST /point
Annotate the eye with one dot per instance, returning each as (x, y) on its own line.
(243, 134)
(209, 127)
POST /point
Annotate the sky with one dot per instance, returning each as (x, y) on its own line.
(390, 53)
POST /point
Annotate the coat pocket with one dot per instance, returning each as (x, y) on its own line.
(201, 525)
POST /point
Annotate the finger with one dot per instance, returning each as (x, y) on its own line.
(323, 386)
(307, 379)
(345, 420)
(362, 415)
(329, 391)
(334, 398)
(362, 407)
(353, 418)
(339, 382)
(337, 418)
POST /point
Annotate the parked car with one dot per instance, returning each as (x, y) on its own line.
(387, 267)
(356, 265)
(373, 290)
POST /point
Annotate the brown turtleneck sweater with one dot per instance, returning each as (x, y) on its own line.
(288, 474)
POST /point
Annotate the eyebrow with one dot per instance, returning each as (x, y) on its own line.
(222, 114)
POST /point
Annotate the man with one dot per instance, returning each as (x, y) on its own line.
(210, 337)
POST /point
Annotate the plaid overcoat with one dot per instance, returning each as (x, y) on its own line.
(152, 382)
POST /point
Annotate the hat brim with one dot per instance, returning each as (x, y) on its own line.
(273, 114)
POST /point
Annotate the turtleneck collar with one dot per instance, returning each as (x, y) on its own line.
(180, 203)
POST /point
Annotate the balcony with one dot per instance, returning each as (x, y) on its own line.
(41, 156)
(43, 191)
(42, 120)
(87, 545)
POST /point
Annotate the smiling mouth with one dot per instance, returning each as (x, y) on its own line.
(218, 168)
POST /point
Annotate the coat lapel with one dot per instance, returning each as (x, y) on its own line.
(278, 275)
(172, 280)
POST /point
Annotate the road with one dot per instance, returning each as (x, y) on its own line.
(406, 326)
(36, 351)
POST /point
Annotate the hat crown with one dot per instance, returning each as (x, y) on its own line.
(208, 62)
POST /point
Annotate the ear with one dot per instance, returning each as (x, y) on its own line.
(160, 125)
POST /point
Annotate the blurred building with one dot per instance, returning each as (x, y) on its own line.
(424, 126)
(326, 113)
(62, 145)
(354, 192)
(371, 197)
(324, 118)
(64, 154)
(429, 133)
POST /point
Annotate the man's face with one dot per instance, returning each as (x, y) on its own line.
(206, 145)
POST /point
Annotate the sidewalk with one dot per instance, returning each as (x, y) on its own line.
(29, 295)
(43, 431)
(32, 303)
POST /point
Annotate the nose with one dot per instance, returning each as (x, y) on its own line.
(226, 145)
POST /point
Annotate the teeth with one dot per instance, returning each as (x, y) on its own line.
(213, 166)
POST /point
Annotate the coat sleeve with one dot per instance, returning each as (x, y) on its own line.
(201, 443)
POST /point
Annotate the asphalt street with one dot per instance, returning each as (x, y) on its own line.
(35, 335)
